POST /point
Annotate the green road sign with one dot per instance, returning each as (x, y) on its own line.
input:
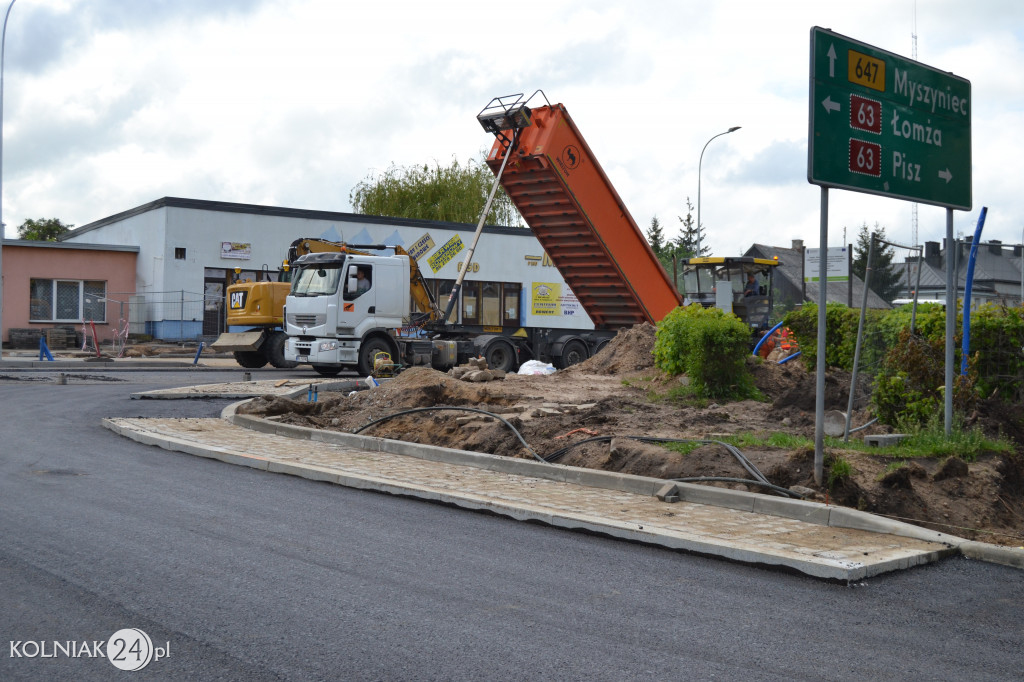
(884, 124)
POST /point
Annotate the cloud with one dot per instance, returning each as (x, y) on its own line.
(782, 162)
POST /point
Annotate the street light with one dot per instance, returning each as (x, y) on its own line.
(730, 130)
(3, 41)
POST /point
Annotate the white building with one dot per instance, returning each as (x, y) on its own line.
(189, 251)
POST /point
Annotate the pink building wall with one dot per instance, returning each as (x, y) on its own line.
(23, 262)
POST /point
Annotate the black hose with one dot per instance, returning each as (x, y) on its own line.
(760, 479)
(729, 479)
(463, 409)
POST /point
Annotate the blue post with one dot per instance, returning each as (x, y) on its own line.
(965, 350)
(199, 351)
(44, 350)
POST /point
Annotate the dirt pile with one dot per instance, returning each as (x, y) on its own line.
(591, 415)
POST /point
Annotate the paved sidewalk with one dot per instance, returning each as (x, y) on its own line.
(249, 389)
(821, 541)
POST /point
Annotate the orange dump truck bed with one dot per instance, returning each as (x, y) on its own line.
(569, 203)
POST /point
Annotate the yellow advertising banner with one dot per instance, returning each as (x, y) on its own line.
(544, 298)
(449, 250)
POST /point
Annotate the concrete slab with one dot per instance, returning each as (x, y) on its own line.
(597, 502)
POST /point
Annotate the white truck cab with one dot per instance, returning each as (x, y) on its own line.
(339, 303)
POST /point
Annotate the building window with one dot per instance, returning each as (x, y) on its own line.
(490, 304)
(470, 302)
(67, 300)
(510, 295)
(179, 253)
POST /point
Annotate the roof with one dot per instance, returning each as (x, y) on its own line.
(284, 212)
(791, 269)
(74, 246)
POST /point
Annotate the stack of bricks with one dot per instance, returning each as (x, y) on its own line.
(476, 370)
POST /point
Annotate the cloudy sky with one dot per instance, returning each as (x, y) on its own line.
(109, 104)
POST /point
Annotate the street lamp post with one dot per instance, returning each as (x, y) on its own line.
(3, 44)
(699, 163)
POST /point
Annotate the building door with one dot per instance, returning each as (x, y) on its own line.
(215, 281)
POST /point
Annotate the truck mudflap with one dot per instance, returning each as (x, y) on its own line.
(238, 341)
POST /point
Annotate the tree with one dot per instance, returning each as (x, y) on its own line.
(656, 237)
(685, 243)
(884, 280)
(453, 193)
(43, 230)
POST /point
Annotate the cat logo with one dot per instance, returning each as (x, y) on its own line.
(349, 308)
(238, 300)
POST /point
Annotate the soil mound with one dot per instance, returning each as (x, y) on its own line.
(618, 395)
(630, 350)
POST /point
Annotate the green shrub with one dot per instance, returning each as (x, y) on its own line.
(910, 387)
(841, 325)
(710, 347)
(997, 335)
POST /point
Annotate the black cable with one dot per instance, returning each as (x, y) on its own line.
(729, 479)
(759, 478)
(463, 409)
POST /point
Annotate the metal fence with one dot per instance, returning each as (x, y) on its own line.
(169, 315)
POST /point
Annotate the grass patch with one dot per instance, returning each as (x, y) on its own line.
(839, 469)
(682, 448)
(931, 441)
(891, 467)
(928, 442)
(785, 441)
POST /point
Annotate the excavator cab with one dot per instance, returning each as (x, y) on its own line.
(742, 286)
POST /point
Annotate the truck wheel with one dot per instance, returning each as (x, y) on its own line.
(250, 359)
(274, 348)
(368, 349)
(501, 356)
(327, 370)
(573, 353)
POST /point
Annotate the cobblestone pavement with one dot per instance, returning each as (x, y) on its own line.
(822, 551)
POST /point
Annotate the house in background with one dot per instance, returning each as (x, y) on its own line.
(998, 277)
(52, 286)
(791, 290)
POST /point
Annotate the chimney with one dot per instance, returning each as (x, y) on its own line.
(931, 254)
(798, 244)
(995, 247)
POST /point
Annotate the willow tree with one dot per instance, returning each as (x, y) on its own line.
(453, 193)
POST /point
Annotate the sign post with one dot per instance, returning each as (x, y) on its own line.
(886, 125)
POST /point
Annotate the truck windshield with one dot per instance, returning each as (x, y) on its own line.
(316, 281)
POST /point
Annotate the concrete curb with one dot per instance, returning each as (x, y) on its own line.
(837, 568)
(801, 510)
(822, 565)
(812, 512)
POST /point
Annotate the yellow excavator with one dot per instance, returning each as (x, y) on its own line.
(743, 286)
(259, 305)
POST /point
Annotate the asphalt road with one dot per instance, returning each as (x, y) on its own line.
(246, 575)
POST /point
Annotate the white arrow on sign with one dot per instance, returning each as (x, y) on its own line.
(946, 175)
(831, 106)
(831, 61)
